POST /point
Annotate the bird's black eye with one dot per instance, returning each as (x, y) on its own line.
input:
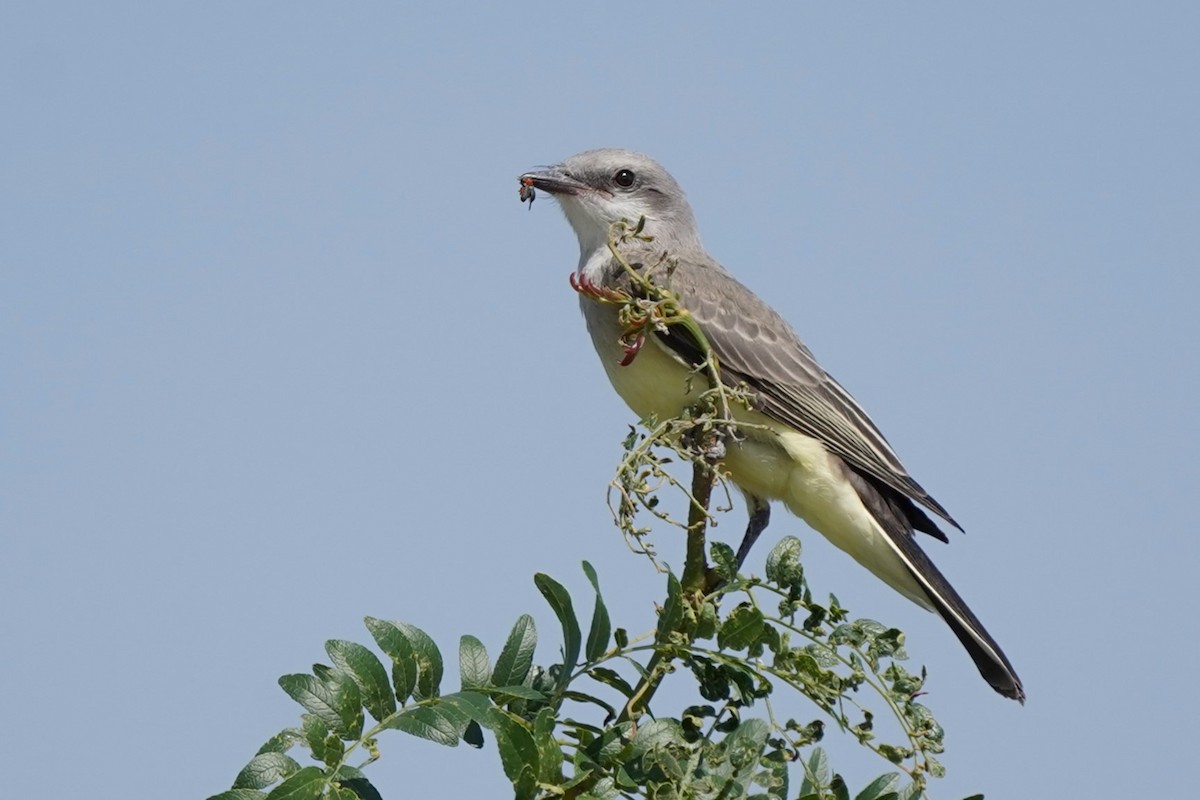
(624, 177)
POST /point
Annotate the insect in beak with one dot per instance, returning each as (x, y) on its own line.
(527, 191)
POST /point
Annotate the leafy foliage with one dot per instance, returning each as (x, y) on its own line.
(749, 644)
(741, 658)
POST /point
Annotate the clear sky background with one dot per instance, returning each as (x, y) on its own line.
(279, 349)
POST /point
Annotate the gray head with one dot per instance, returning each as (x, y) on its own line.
(599, 187)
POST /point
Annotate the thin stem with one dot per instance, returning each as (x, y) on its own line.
(695, 567)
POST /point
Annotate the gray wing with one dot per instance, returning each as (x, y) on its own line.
(756, 346)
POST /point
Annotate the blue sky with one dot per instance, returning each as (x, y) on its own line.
(280, 349)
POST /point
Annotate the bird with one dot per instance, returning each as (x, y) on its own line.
(803, 440)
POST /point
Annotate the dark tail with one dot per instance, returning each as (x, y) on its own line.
(993, 665)
(895, 514)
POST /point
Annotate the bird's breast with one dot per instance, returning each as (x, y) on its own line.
(655, 381)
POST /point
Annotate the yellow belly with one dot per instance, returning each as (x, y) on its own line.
(771, 461)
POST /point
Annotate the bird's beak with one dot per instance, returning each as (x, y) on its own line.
(554, 180)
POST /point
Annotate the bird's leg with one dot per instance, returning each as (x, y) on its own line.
(760, 516)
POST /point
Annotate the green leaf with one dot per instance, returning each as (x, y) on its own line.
(581, 697)
(367, 671)
(466, 706)
(894, 754)
(316, 733)
(515, 743)
(428, 722)
(887, 783)
(604, 789)
(333, 750)
(550, 754)
(744, 746)
(516, 659)
(446, 719)
(816, 772)
(611, 678)
(389, 638)
(921, 719)
(775, 778)
(473, 666)
(508, 693)
(783, 563)
(611, 748)
(692, 719)
(711, 680)
(662, 759)
(724, 561)
(429, 661)
(672, 610)
(345, 772)
(282, 741)
(601, 628)
(560, 600)
(706, 620)
(361, 788)
(316, 696)
(741, 629)
(307, 784)
(525, 784)
(264, 769)
(393, 642)
(346, 698)
(583, 769)
(656, 733)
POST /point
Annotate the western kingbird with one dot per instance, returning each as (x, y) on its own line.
(808, 443)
